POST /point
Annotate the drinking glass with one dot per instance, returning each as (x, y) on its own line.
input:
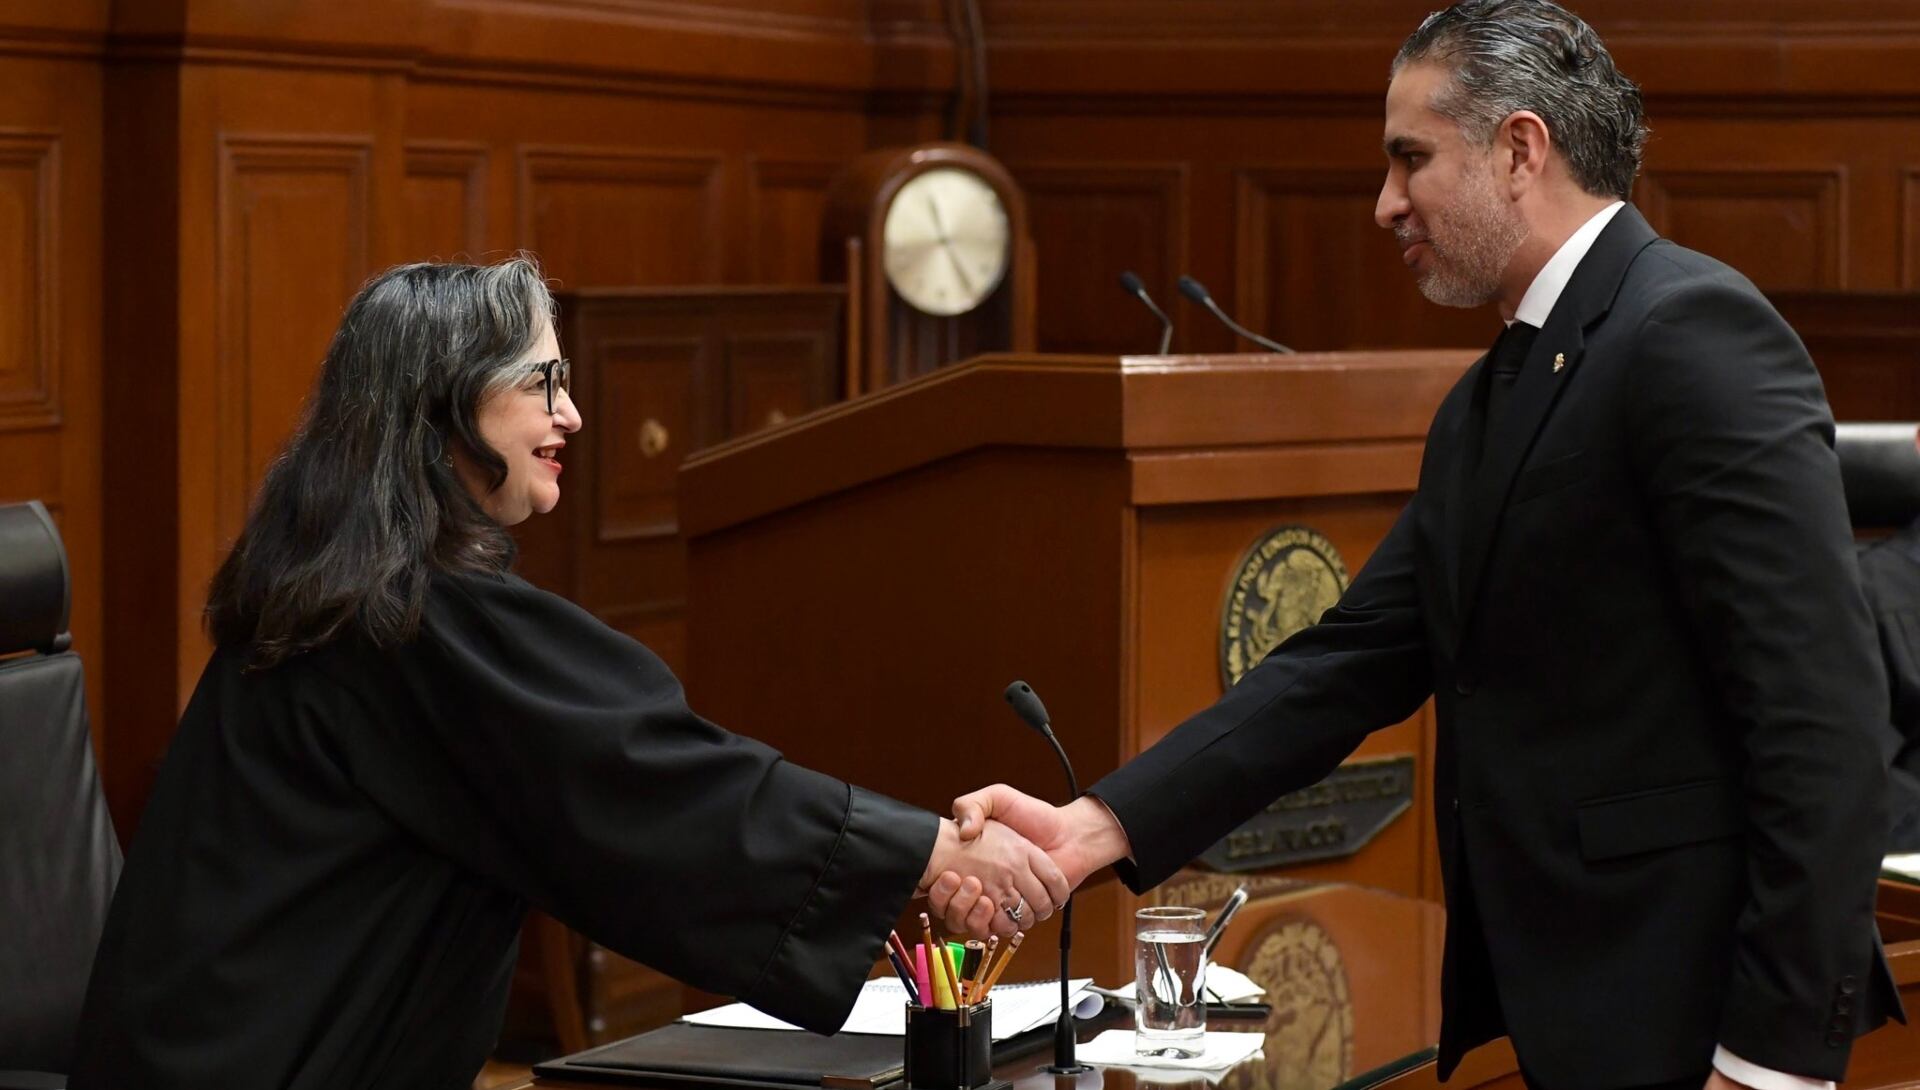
(1170, 1017)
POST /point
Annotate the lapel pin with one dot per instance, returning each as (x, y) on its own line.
(1559, 362)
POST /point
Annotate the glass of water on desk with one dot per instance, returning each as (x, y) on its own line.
(1170, 1018)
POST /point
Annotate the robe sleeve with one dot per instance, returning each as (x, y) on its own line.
(527, 741)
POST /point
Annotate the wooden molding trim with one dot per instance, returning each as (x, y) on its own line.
(1255, 189)
(30, 397)
(241, 155)
(465, 162)
(538, 164)
(1824, 190)
(1910, 229)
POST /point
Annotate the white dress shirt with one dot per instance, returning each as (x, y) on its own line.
(1534, 307)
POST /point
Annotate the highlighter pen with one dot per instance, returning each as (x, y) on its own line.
(906, 981)
(920, 976)
(1012, 948)
(945, 955)
(942, 990)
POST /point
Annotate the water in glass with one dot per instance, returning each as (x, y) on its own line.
(1169, 973)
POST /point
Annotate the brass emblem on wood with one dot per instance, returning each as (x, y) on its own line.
(1310, 1032)
(1332, 819)
(1283, 583)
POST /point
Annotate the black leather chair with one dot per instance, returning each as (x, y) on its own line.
(1880, 471)
(58, 855)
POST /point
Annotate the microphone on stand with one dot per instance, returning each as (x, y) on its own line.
(1135, 288)
(1026, 705)
(1196, 291)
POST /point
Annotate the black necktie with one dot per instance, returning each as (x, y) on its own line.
(1509, 352)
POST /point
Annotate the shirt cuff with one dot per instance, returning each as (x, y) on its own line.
(1762, 1078)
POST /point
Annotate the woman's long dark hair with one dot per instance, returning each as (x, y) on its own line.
(364, 503)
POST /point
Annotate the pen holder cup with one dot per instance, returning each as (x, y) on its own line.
(950, 1050)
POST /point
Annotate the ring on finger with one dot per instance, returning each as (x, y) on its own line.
(1017, 912)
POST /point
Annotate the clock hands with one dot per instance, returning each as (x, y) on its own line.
(966, 282)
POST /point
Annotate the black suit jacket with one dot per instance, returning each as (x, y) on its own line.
(1659, 798)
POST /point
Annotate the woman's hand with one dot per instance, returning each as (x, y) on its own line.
(971, 884)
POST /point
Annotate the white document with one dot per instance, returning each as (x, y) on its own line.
(882, 1009)
(1907, 866)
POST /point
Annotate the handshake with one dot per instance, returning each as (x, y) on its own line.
(1008, 859)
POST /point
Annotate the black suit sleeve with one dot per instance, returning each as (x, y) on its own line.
(1731, 436)
(1286, 725)
(560, 758)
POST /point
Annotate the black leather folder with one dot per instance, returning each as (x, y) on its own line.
(684, 1054)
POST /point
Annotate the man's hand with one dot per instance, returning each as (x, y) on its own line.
(1081, 838)
(970, 882)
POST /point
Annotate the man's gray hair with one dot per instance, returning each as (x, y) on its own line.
(1511, 55)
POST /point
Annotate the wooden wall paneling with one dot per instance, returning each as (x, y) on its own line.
(648, 393)
(294, 224)
(50, 262)
(1785, 229)
(787, 199)
(1090, 222)
(141, 409)
(1316, 273)
(1866, 346)
(29, 270)
(1910, 228)
(446, 200)
(619, 217)
(1246, 50)
(772, 377)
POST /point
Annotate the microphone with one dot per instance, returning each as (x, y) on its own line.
(1135, 288)
(1196, 291)
(1026, 705)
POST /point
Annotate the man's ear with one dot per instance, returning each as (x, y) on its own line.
(1524, 134)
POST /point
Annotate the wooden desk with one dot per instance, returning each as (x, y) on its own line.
(1354, 978)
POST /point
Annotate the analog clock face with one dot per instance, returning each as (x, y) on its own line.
(945, 241)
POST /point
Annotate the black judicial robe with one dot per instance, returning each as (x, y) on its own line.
(327, 886)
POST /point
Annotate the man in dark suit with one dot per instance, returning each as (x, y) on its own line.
(1626, 578)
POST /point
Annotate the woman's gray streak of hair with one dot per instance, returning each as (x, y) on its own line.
(1505, 56)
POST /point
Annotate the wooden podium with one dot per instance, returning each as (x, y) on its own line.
(865, 580)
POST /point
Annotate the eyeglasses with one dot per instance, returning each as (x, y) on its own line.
(555, 375)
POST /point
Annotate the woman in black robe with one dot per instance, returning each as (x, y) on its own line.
(398, 746)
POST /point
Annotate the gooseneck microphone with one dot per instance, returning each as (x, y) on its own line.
(1196, 291)
(1026, 705)
(1135, 288)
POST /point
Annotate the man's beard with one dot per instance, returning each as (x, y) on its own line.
(1472, 240)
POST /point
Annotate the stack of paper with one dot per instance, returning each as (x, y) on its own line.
(882, 1009)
